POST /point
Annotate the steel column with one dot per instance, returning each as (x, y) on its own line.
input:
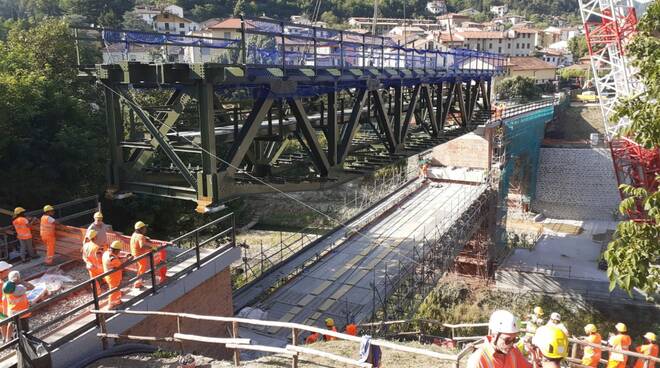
(332, 130)
(115, 134)
(208, 179)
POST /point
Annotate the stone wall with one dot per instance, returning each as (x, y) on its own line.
(214, 298)
(576, 184)
(470, 150)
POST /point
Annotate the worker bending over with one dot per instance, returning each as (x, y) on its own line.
(15, 296)
(649, 348)
(555, 321)
(101, 231)
(621, 341)
(592, 355)
(139, 247)
(24, 234)
(112, 261)
(92, 255)
(549, 347)
(47, 229)
(498, 349)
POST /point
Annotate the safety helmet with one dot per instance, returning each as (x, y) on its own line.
(502, 321)
(91, 234)
(329, 322)
(555, 316)
(621, 327)
(552, 342)
(116, 245)
(649, 336)
(139, 225)
(98, 215)
(14, 276)
(18, 211)
(590, 328)
(538, 311)
(48, 208)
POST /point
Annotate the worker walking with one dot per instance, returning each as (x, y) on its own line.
(138, 248)
(649, 348)
(47, 232)
(23, 234)
(101, 231)
(555, 321)
(621, 341)
(92, 255)
(111, 261)
(591, 356)
(330, 325)
(498, 349)
(549, 347)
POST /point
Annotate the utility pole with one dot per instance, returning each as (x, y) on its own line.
(373, 25)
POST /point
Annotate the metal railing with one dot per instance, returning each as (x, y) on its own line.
(265, 42)
(217, 236)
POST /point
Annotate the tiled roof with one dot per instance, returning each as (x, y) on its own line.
(230, 23)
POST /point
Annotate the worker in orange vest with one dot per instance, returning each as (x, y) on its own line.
(92, 255)
(111, 261)
(139, 247)
(498, 349)
(15, 296)
(592, 355)
(47, 232)
(312, 338)
(101, 231)
(620, 341)
(24, 234)
(5, 268)
(649, 348)
(330, 324)
(351, 329)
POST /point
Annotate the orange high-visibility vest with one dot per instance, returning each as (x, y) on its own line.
(487, 358)
(592, 355)
(110, 261)
(138, 244)
(17, 304)
(328, 337)
(90, 255)
(622, 342)
(648, 349)
(22, 226)
(47, 229)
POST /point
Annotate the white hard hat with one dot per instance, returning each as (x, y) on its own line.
(555, 316)
(14, 276)
(502, 321)
(4, 266)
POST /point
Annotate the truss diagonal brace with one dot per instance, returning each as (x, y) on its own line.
(351, 128)
(162, 141)
(426, 95)
(411, 112)
(318, 156)
(384, 122)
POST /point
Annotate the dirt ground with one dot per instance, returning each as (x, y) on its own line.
(577, 123)
(342, 348)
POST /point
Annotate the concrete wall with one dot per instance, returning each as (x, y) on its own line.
(213, 297)
(470, 150)
(576, 184)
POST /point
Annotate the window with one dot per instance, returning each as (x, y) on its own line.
(167, 26)
(490, 46)
(499, 49)
(227, 35)
(499, 40)
(508, 45)
(182, 33)
(166, 15)
(528, 46)
(517, 45)
(181, 25)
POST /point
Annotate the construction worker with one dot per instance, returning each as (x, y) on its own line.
(498, 349)
(537, 316)
(351, 329)
(649, 348)
(312, 338)
(330, 325)
(534, 321)
(92, 255)
(5, 268)
(15, 295)
(549, 347)
(101, 231)
(139, 247)
(621, 341)
(24, 234)
(555, 321)
(47, 232)
(111, 261)
(591, 356)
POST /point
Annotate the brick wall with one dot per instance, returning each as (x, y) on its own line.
(576, 184)
(212, 297)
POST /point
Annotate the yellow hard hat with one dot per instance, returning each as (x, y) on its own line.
(621, 327)
(18, 211)
(552, 342)
(48, 208)
(590, 328)
(91, 234)
(116, 245)
(649, 336)
(98, 215)
(329, 322)
(139, 225)
(538, 311)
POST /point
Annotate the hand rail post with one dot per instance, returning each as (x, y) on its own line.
(283, 46)
(315, 47)
(364, 51)
(243, 43)
(341, 52)
(95, 297)
(294, 342)
(152, 264)
(197, 256)
(237, 352)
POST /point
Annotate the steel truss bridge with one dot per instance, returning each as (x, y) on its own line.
(275, 106)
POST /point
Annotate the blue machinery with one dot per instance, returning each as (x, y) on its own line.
(275, 105)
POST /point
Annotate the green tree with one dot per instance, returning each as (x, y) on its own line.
(135, 22)
(329, 17)
(578, 47)
(520, 88)
(633, 257)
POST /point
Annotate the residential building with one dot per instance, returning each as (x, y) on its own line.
(229, 30)
(148, 13)
(404, 30)
(472, 26)
(469, 12)
(209, 22)
(499, 10)
(519, 42)
(436, 7)
(173, 23)
(452, 20)
(559, 58)
(532, 67)
(384, 25)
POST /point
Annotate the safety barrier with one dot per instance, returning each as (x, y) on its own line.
(265, 42)
(189, 252)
